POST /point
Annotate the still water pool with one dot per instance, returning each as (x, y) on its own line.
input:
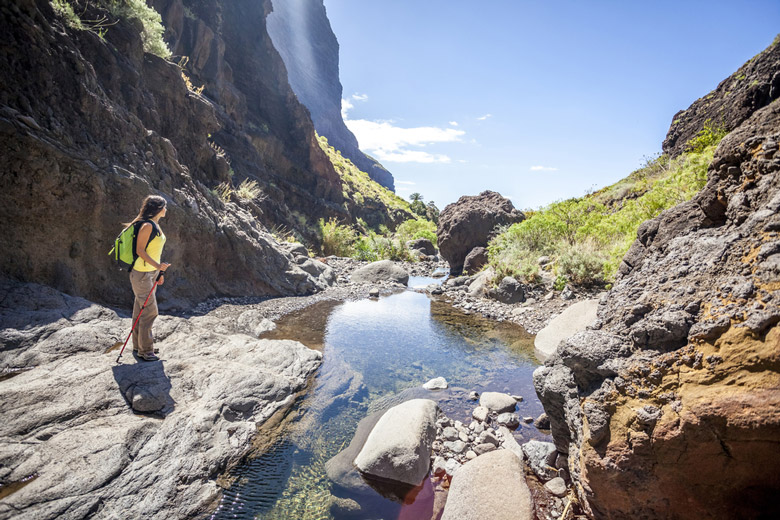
(372, 351)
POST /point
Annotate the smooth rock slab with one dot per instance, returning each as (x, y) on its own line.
(574, 319)
(381, 271)
(498, 402)
(490, 486)
(399, 446)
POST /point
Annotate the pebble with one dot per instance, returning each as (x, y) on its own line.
(557, 487)
(480, 413)
(510, 420)
(450, 433)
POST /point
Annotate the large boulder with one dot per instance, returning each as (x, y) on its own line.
(399, 446)
(471, 222)
(490, 486)
(574, 319)
(381, 271)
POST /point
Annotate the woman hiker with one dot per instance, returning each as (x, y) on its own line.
(143, 274)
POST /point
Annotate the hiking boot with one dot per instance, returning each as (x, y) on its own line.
(156, 351)
(149, 357)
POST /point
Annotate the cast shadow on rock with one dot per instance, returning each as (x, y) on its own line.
(146, 387)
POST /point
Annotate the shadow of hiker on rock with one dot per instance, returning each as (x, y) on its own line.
(146, 387)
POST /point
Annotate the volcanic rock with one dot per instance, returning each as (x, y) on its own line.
(471, 222)
(381, 271)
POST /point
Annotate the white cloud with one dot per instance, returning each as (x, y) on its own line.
(359, 97)
(486, 116)
(543, 169)
(391, 143)
(346, 106)
(410, 183)
(453, 123)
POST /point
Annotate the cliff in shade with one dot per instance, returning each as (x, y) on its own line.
(90, 124)
(669, 405)
(301, 32)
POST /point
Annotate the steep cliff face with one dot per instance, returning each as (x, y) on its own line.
(669, 407)
(753, 86)
(90, 124)
(301, 32)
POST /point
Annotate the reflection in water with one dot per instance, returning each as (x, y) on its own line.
(372, 350)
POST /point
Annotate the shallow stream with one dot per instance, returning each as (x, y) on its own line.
(372, 351)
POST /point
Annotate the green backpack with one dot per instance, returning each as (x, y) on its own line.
(125, 245)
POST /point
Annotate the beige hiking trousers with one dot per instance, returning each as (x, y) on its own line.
(142, 283)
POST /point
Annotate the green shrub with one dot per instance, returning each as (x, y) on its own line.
(357, 186)
(153, 29)
(588, 238)
(65, 10)
(337, 239)
(582, 264)
(415, 228)
(709, 135)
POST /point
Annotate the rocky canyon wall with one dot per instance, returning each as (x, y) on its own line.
(669, 406)
(90, 124)
(301, 32)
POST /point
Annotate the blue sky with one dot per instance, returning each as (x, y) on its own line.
(536, 100)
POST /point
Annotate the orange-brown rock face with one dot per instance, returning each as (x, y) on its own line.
(714, 449)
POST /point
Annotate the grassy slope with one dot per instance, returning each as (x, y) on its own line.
(586, 238)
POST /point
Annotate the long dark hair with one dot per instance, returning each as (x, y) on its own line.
(151, 206)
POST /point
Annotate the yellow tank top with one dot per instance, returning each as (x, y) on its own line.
(154, 249)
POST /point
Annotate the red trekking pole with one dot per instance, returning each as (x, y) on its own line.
(156, 282)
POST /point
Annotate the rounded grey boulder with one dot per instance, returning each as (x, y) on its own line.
(399, 446)
(497, 402)
(381, 271)
(490, 486)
